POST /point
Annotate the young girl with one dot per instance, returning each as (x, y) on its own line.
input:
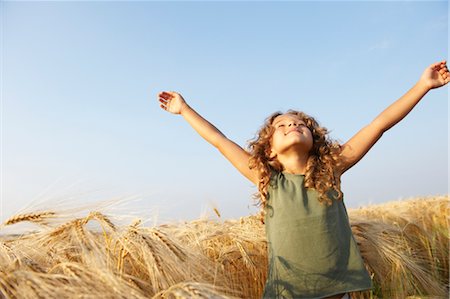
(297, 168)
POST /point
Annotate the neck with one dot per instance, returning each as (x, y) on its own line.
(295, 164)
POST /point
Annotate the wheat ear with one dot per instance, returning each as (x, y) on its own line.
(37, 217)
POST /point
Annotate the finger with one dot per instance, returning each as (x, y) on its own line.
(435, 66)
(438, 65)
(164, 101)
(163, 107)
(443, 70)
(170, 93)
(165, 95)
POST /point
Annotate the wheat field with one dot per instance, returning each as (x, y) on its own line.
(404, 245)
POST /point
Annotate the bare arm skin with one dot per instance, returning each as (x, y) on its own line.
(434, 76)
(173, 102)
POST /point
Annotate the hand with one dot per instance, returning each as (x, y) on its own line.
(436, 75)
(172, 102)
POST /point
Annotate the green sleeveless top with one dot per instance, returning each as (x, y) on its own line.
(311, 249)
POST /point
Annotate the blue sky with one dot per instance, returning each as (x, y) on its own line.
(81, 122)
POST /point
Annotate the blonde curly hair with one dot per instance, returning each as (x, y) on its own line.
(320, 168)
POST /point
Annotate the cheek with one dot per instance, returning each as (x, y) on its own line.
(275, 137)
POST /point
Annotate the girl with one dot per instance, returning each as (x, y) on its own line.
(297, 168)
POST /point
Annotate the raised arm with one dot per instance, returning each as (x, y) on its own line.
(173, 102)
(436, 75)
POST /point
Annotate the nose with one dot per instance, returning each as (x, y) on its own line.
(293, 123)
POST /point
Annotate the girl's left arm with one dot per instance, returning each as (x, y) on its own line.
(434, 76)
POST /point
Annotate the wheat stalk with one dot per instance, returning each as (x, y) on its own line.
(171, 245)
(37, 217)
(102, 218)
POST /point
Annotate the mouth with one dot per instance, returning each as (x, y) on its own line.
(291, 130)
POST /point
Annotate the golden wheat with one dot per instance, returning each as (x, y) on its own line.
(404, 245)
(192, 290)
(37, 217)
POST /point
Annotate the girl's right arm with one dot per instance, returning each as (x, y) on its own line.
(174, 103)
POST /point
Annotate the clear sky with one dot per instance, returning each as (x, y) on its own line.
(80, 119)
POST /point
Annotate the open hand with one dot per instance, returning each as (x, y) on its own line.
(436, 75)
(172, 102)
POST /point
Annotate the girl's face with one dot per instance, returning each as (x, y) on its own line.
(290, 133)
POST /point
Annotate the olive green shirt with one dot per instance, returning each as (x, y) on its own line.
(311, 249)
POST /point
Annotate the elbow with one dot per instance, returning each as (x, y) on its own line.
(379, 126)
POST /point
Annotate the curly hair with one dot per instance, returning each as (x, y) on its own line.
(321, 165)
